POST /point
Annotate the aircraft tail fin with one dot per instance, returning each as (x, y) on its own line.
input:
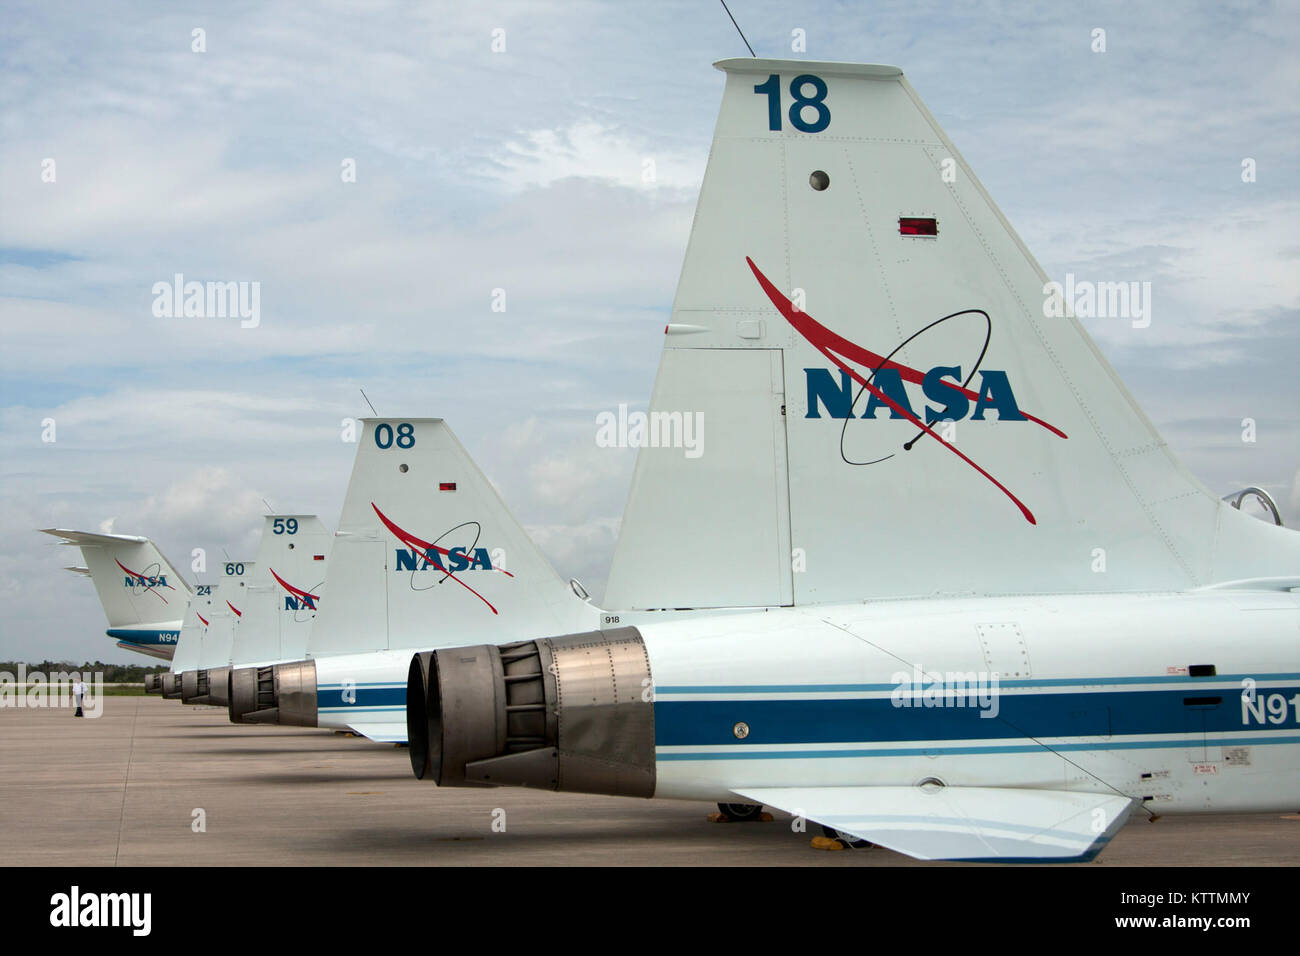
(283, 590)
(229, 600)
(135, 582)
(428, 554)
(876, 363)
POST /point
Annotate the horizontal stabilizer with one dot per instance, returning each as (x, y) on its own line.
(90, 537)
(975, 824)
(162, 653)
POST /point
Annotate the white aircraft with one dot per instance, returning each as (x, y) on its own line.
(264, 611)
(990, 615)
(207, 636)
(426, 555)
(143, 595)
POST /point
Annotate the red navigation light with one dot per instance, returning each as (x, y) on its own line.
(917, 226)
(446, 486)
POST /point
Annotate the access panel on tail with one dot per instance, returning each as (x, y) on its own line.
(283, 592)
(428, 555)
(944, 432)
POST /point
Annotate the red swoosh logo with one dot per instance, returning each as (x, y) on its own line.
(832, 345)
(296, 592)
(141, 578)
(238, 612)
(206, 622)
(424, 549)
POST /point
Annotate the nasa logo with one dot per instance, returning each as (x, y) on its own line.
(421, 555)
(458, 559)
(146, 581)
(881, 378)
(995, 393)
(297, 599)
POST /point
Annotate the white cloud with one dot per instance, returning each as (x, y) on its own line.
(591, 150)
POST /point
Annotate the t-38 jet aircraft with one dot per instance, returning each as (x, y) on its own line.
(264, 611)
(988, 614)
(426, 553)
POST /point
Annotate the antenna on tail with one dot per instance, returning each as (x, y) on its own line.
(738, 30)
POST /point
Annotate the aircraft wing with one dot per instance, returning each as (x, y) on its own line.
(985, 824)
(392, 732)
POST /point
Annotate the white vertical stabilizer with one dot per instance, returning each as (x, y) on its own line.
(135, 582)
(204, 610)
(283, 591)
(428, 555)
(943, 433)
(219, 636)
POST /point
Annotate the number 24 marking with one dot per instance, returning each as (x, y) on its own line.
(772, 87)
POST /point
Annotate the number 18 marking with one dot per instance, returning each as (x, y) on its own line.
(772, 88)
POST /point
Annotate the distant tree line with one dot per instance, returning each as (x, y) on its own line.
(113, 673)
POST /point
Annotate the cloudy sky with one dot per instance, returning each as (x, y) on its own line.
(520, 170)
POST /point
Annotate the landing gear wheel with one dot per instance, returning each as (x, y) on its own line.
(741, 812)
(848, 839)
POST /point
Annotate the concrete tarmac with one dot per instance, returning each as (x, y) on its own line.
(125, 789)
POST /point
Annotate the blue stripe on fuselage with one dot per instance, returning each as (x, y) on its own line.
(144, 636)
(362, 696)
(1096, 714)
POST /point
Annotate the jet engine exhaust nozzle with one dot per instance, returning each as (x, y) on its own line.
(275, 694)
(570, 713)
(196, 687)
(171, 686)
(219, 686)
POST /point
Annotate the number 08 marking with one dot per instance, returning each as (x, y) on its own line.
(405, 437)
(772, 88)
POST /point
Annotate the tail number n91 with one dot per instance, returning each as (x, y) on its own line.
(1260, 708)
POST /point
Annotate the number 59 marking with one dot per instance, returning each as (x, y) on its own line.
(772, 87)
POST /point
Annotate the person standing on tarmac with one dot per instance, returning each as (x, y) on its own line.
(78, 695)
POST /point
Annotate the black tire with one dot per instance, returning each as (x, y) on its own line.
(741, 812)
(848, 839)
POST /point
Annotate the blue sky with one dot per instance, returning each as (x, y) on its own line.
(521, 170)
